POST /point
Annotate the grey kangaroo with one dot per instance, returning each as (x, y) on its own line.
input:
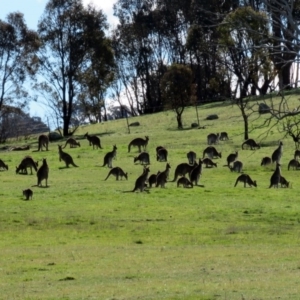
(139, 142)
(118, 173)
(246, 179)
(108, 158)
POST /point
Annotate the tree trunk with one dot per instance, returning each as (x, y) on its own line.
(179, 121)
(246, 126)
(66, 125)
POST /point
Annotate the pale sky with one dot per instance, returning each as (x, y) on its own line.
(33, 10)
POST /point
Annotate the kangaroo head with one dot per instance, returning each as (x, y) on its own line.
(254, 183)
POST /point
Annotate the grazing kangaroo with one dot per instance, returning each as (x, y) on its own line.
(27, 162)
(143, 158)
(191, 156)
(212, 138)
(275, 178)
(195, 173)
(223, 136)
(3, 165)
(28, 194)
(162, 154)
(236, 167)
(277, 154)
(141, 180)
(266, 161)
(211, 152)
(67, 158)
(162, 177)
(117, 172)
(182, 169)
(139, 142)
(43, 173)
(208, 162)
(246, 179)
(108, 158)
(251, 143)
(152, 179)
(184, 182)
(231, 158)
(43, 141)
(93, 140)
(297, 154)
(284, 182)
(72, 142)
(295, 164)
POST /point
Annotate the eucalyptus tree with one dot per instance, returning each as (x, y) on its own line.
(70, 34)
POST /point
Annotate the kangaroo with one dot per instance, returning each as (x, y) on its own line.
(297, 154)
(208, 162)
(295, 164)
(43, 141)
(284, 182)
(162, 177)
(141, 180)
(251, 143)
(152, 179)
(28, 194)
(109, 157)
(237, 167)
(3, 165)
(212, 138)
(211, 152)
(191, 156)
(246, 179)
(182, 169)
(27, 162)
(266, 161)
(143, 158)
(231, 158)
(93, 140)
(184, 182)
(42, 173)
(162, 154)
(117, 172)
(67, 158)
(72, 142)
(195, 173)
(223, 136)
(139, 142)
(275, 178)
(276, 156)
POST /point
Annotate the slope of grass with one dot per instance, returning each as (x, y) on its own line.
(85, 238)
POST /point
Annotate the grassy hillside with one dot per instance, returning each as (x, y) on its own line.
(84, 238)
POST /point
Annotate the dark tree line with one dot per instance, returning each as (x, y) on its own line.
(227, 49)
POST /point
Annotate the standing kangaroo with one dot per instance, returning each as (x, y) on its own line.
(211, 152)
(43, 173)
(231, 158)
(295, 164)
(223, 136)
(3, 165)
(67, 158)
(108, 158)
(139, 142)
(195, 173)
(141, 180)
(162, 154)
(191, 156)
(117, 172)
(236, 167)
(72, 142)
(251, 143)
(246, 179)
(43, 141)
(208, 162)
(28, 194)
(182, 169)
(212, 138)
(184, 182)
(143, 158)
(266, 161)
(162, 177)
(93, 140)
(27, 162)
(275, 178)
(277, 154)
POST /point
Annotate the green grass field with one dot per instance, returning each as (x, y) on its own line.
(84, 238)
